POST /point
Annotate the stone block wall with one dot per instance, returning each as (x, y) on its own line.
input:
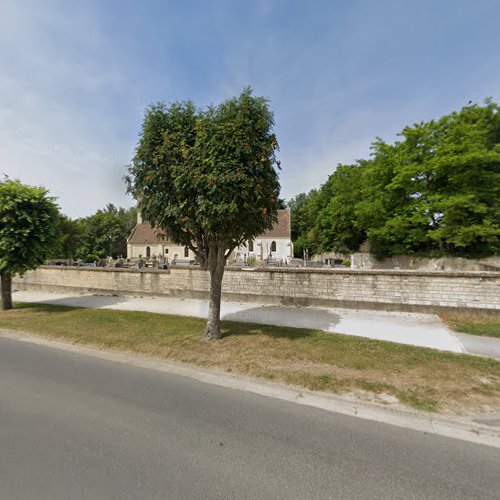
(369, 261)
(382, 289)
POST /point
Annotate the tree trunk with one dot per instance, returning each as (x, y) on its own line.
(212, 332)
(6, 290)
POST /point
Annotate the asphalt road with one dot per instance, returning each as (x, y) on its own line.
(78, 427)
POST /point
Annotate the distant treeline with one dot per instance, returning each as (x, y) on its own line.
(99, 235)
(436, 191)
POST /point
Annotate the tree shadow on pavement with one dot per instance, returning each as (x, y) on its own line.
(80, 301)
(280, 321)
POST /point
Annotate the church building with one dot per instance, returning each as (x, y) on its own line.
(148, 242)
(275, 244)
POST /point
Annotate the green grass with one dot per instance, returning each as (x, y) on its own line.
(422, 378)
(486, 326)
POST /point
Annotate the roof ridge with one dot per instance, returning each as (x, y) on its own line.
(144, 232)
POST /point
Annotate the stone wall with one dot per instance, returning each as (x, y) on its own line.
(368, 261)
(388, 290)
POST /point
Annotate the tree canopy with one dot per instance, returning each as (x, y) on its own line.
(105, 233)
(101, 234)
(28, 231)
(435, 191)
(207, 178)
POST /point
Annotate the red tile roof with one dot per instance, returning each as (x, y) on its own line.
(144, 233)
(282, 229)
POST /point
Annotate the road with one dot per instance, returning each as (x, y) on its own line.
(79, 427)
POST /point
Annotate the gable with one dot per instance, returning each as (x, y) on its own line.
(145, 233)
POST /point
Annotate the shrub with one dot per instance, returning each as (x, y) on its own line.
(251, 260)
(90, 258)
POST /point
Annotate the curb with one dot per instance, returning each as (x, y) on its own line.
(464, 429)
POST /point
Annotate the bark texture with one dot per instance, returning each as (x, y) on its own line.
(6, 291)
(216, 264)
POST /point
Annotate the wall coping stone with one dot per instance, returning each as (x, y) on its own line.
(300, 270)
(105, 269)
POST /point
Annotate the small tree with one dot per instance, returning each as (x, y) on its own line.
(207, 178)
(28, 231)
(105, 232)
(71, 231)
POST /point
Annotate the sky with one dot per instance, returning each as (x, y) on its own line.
(76, 77)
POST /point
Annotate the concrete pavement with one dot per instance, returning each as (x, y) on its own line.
(484, 346)
(426, 330)
(77, 427)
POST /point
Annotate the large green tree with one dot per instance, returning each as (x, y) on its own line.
(437, 190)
(336, 224)
(207, 178)
(28, 231)
(71, 233)
(105, 233)
(323, 220)
(304, 210)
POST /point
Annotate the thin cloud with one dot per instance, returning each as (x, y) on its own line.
(75, 79)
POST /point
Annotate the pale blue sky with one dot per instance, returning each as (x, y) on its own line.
(75, 78)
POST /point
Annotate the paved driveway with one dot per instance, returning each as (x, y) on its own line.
(426, 330)
(484, 346)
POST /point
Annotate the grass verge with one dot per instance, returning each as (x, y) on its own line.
(486, 326)
(422, 378)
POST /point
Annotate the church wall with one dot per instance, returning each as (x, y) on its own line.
(135, 250)
(262, 249)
